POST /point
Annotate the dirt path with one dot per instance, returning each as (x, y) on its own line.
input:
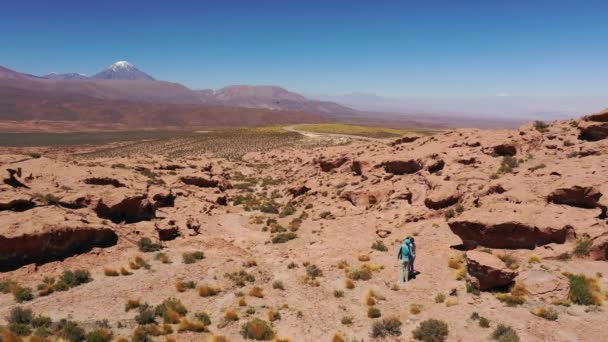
(313, 135)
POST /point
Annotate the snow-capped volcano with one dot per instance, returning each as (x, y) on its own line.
(122, 70)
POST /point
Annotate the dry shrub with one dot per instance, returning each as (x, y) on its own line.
(440, 298)
(415, 309)
(431, 330)
(517, 296)
(256, 292)
(273, 315)
(231, 315)
(257, 329)
(534, 259)
(337, 338)
(342, 264)
(451, 302)
(456, 262)
(250, 263)
(125, 272)
(364, 257)
(162, 257)
(546, 313)
(373, 312)
(110, 272)
(132, 304)
(217, 339)
(386, 327)
(194, 326)
(242, 301)
(208, 291)
(349, 284)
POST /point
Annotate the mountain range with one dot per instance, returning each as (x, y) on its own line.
(122, 81)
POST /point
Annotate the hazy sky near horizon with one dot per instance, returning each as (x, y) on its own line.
(391, 48)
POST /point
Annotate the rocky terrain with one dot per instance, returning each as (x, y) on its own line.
(300, 244)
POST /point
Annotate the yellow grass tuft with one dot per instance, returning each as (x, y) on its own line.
(242, 301)
(208, 291)
(231, 315)
(194, 326)
(415, 309)
(256, 292)
(110, 272)
(364, 257)
(349, 284)
(217, 339)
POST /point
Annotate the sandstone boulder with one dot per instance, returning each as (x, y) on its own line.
(298, 190)
(356, 168)
(167, 230)
(359, 198)
(545, 286)
(436, 166)
(442, 196)
(328, 165)
(504, 150)
(599, 249)
(594, 132)
(124, 206)
(576, 196)
(75, 201)
(598, 117)
(49, 233)
(488, 270)
(511, 226)
(405, 140)
(162, 197)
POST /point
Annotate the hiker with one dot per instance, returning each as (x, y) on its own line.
(412, 245)
(404, 257)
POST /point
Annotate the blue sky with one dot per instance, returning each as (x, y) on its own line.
(392, 48)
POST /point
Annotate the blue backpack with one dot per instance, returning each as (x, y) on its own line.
(405, 252)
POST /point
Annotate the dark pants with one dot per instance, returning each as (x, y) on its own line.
(411, 265)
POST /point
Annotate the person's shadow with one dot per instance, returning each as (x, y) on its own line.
(414, 274)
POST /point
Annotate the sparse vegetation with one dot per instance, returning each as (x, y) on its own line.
(162, 257)
(256, 292)
(431, 330)
(415, 309)
(278, 285)
(507, 165)
(504, 333)
(240, 278)
(208, 291)
(373, 312)
(484, 322)
(192, 257)
(584, 290)
(516, 296)
(347, 320)
(379, 246)
(440, 298)
(509, 260)
(257, 329)
(546, 313)
(386, 327)
(146, 245)
(284, 237)
(582, 246)
(541, 126)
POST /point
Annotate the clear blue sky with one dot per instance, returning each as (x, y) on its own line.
(394, 48)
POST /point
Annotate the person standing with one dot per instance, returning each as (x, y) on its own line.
(412, 245)
(404, 258)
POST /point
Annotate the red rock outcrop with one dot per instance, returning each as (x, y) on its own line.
(599, 249)
(513, 226)
(504, 150)
(442, 196)
(104, 181)
(576, 196)
(598, 117)
(328, 165)
(121, 206)
(402, 167)
(359, 198)
(488, 270)
(594, 132)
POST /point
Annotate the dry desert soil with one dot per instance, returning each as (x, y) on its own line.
(299, 241)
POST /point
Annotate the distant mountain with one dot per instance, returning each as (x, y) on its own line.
(72, 76)
(124, 82)
(268, 97)
(122, 70)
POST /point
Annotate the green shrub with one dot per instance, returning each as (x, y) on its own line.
(379, 246)
(284, 237)
(75, 278)
(20, 329)
(7, 286)
(287, 210)
(313, 271)
(386, 327)
(347, 320)
(240, 278)
(146, 245)
(146, 315)
(484, 322)
(203, 317)
(257, 329)
(583, 290)
(450, 213)
(71, 331)
(507, 164)
(100, 335)
(41, 322)
(582, 247)
(431, 330)
(20, 315)
(373, 312)
(23, 294)
(541, 126)
(505, 333)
